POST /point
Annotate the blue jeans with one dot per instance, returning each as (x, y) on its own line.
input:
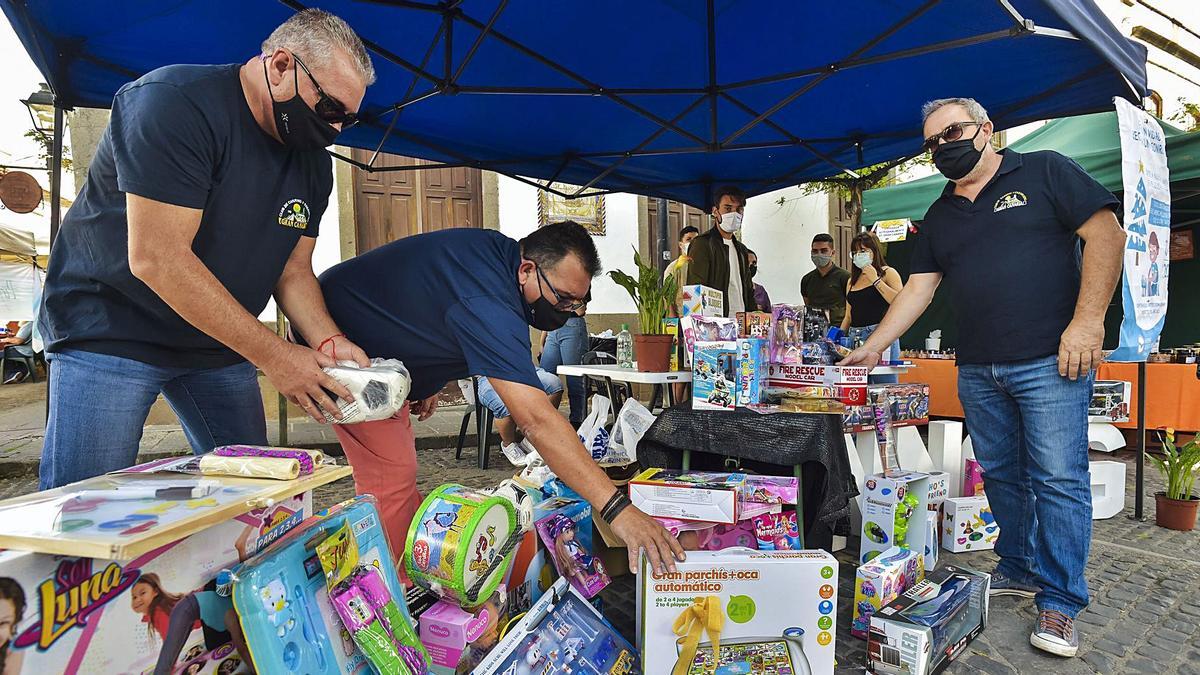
(99, 404)
(566, 347)
(859, 335)
(1029, 429)
(491, 400)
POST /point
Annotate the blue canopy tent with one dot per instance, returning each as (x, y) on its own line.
(666, 98)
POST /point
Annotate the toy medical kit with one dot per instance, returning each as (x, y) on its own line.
(460, 543)
(458, 639)
(752, 355)
(972, 478)
(968, 524)
(787, 333)
(561, 633)
(882, 580)
(739, 611)
(933, 528)
(714, 375)
(770, 489)
(378, 391)
(688, 495)
(698, 300)
(308, 459)
(567, 534)
(777, 531)
(893, 513)
(930, 624)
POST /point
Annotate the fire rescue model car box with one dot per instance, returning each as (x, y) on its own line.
(688, 495)
(923, 630)
(849, 382)
(739, 611)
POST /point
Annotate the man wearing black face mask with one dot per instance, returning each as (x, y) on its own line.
(203, 200)
(1006, 232)
(460, 302)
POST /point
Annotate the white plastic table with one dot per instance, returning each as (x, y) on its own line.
(610, 373)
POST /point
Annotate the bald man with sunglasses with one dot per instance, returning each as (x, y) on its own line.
(203, 200)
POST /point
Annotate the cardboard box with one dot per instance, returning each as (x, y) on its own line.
(939, 490)
(754, 325)
(849, 382)
(701, 300)
(778, 608)
(968, 525)
(565, 527)
(910, 407)
(1110, 401)
(688, 495)
(933, 528)
(458, 639)
(882, 580)
(78, 613)
(751, 371)
(930, 625)
(883, 498)
(714, 375)
(671, 327)
(972, 478)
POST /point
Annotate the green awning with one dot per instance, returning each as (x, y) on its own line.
(1090, 140)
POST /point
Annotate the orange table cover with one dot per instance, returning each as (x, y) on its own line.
(1172, 391)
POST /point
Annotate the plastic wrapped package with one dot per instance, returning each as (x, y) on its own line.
(379, 390)
(278, 468)
(309, 459)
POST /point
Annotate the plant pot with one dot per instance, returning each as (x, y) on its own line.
(653, 352)
(1175, 514)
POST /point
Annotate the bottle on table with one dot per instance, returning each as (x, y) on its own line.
(624, 347)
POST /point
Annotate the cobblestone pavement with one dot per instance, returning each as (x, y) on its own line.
(1144, 616)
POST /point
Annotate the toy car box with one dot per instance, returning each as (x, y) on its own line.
(849, 382)
(882, 580)
(778, 612)
(901, 498)
(688, 495)
(714, 375)
(751, 371)
(968, 525)
(701, 301)
(923, 630)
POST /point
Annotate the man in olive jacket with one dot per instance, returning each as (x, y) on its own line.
(718, 259)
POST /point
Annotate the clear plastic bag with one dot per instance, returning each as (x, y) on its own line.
(379, 390)
(632, 423)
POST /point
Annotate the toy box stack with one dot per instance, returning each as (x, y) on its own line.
(769, 612)
(930, 625)
(882, 580)
(968, 525)
(688, 495)
(893, 513)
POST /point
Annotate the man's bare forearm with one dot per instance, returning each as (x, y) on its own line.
(299, 294)
(558, 444)
(1102, 259)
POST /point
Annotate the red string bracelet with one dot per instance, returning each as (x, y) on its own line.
(331, 338)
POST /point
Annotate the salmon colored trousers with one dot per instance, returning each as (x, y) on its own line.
(384, 457)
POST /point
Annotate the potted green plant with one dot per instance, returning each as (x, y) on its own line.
(1176, 507)
(653, 296)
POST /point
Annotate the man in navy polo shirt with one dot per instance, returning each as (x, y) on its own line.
(202, 201)
(1030, 305)
(457, 303)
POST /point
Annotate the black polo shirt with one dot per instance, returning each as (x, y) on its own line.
(1011, 257)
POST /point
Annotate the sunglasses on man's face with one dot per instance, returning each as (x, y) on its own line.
(328, 108)
(950, 134)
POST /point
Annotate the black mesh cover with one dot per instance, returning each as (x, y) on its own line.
(764, 444)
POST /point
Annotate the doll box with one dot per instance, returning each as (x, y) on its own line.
(882, 580)
(968, 525)
(688, 495)
(777, 608)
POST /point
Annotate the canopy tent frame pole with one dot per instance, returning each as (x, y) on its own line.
(1139, 494)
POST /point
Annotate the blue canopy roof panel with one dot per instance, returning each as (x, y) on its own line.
(659, 97)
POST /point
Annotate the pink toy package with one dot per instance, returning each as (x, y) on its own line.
(458, 639)
(787, 333)
(572, 559)
(972, 479)
(770, 489)
(777, 531)
(692, 535)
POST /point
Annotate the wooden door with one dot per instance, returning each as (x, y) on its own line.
(678, 216)
(390, 205)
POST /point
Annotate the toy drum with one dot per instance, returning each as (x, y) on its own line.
(459, 544)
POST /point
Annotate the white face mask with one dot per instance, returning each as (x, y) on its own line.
(731, 222)
(685, 246)
(862, 259)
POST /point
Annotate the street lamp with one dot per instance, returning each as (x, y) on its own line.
(47, 117)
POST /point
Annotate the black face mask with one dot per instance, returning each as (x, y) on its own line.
(299, 126)
(753, 270)
(542, 315)
(956, 158)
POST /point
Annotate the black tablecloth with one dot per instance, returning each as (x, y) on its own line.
(765, 444)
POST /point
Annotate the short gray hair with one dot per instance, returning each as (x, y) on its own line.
(315, 34)
(974, 110)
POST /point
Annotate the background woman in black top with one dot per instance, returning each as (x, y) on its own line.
(872, 287)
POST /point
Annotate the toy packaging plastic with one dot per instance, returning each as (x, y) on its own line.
(714, 375)
(739, 611)
(566, 532)
(882, 580)
(893, 513)
(379, 390)
(698, 300)
(770, 489)
(910, 407)
(458, 639)
(968, 525)
(561, 633)
(777, 531)
(290, 617)
(688, 495)
(1110, 401)
(933, 530)
(926, 628)
(752, 356)
(787, 333)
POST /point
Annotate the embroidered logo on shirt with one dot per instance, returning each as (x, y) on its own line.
(1010, 201)
(294, 214)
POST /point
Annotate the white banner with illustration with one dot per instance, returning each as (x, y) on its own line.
(1147, 186)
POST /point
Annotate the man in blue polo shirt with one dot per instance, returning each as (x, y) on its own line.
(202, 201)
(1030, 305)
(457, 303)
